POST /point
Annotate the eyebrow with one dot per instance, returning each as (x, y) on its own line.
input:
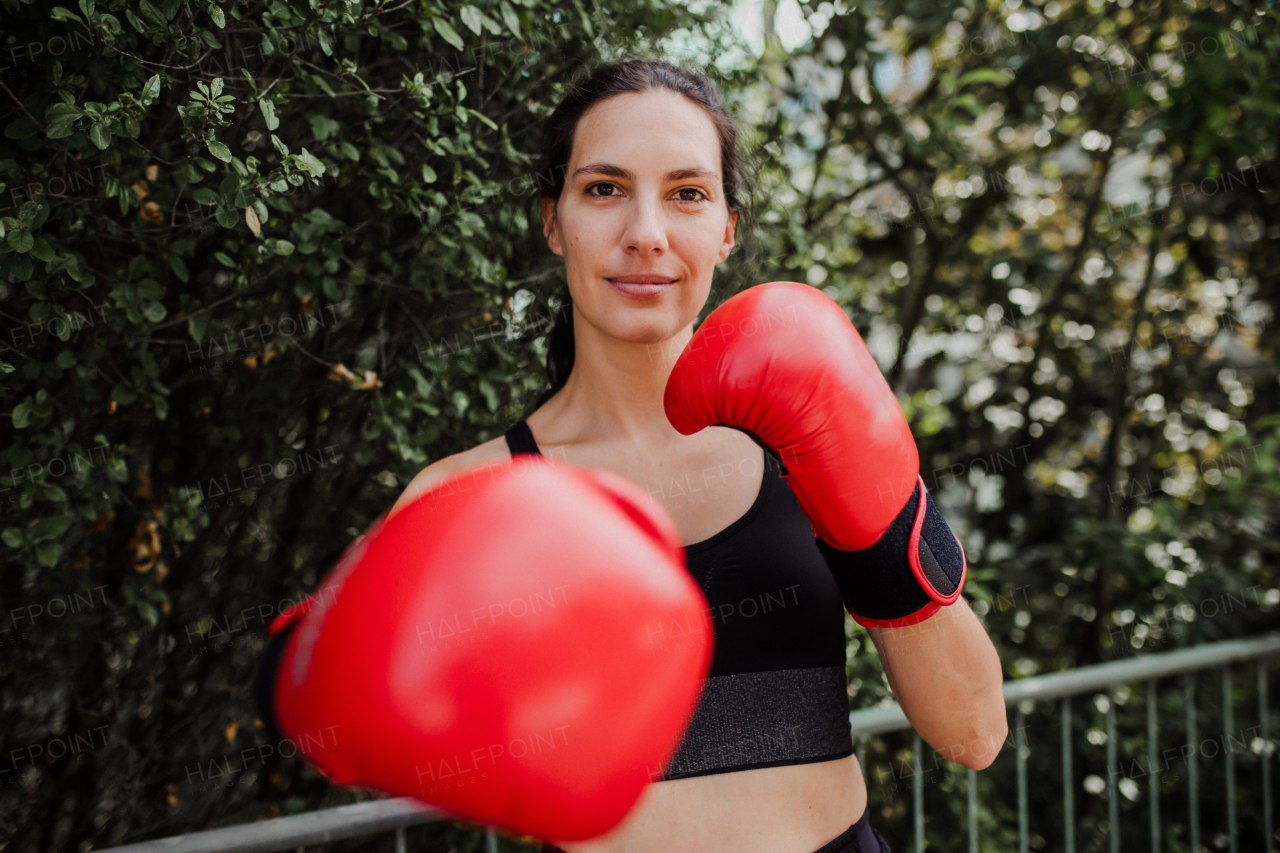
(612, 171)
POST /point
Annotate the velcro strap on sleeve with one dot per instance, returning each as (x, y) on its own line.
(914, 568)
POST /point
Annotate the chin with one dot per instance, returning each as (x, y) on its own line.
(648, 333)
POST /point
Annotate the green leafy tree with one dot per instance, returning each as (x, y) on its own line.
(261, 262)
(1054, 223)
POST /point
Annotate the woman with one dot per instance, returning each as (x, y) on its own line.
(639, 198)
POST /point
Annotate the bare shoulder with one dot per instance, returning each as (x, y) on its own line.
(494, 450)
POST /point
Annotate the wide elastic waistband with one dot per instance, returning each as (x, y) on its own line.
(764, 719)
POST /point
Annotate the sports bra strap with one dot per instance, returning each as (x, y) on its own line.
(520, 439)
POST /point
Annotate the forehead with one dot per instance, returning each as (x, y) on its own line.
(659, 129)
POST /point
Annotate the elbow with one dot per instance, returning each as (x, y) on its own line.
(981, 728)
(988, 738)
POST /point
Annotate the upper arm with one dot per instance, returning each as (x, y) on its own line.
(878, 640)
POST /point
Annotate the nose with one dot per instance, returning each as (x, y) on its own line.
(645, 233)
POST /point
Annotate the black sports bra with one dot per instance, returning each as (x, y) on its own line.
(776, 693)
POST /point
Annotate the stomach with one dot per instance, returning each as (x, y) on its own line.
(795, 808)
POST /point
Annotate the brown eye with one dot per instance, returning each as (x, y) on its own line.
(698, 194)
(609, 187)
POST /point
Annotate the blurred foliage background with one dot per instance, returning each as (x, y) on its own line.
(263, 261)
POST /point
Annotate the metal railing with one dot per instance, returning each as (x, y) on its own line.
(296, 832)
(1108, 676)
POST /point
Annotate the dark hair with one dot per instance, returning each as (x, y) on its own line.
(605, 81)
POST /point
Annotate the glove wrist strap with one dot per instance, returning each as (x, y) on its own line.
(916, 567)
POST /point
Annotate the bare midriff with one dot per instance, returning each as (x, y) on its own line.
(796, 808)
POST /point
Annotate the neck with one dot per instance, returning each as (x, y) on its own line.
(615, 390)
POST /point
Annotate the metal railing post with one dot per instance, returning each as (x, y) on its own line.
(1193, 795)
(1020, 721)
(1153, 783)
(491, 840)
(1068, 789)
(1264, 715)
(918, 793)
(1227, 725)
(973, 810)
(1113, 804)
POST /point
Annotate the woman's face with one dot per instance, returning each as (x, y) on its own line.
(642, 220)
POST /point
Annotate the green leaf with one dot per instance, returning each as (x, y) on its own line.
(196, 325)
(985, 75)
(227, 216)
(22, 414)
(448, 33)
(205, 196)
(155, 312)
(135, 21)
(148, 611)
(41, 213)
(148, 8)
(123, 395)
(49, 528)
(269, 113)
(471, 17)
(217, 149)
(309, 162)
(20, 129)
(490, 24)
(49, 552)
(510, 18)
(490, 395)
(60, 14)
(218, 18)
(280, 247)
(58, 111)
(224, 259)
(12, 537)
(484, 118)
(21, 241)
(99, 135)
(61, 129)
(151, 91)
(42, 250)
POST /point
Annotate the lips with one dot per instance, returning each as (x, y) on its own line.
(641, 285)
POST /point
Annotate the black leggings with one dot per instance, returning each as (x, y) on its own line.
(858, 838)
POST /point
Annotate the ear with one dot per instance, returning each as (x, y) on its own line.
(727, 246)
(549, 225)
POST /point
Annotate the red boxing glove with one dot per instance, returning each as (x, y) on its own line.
(485, 650)
(782, 362)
